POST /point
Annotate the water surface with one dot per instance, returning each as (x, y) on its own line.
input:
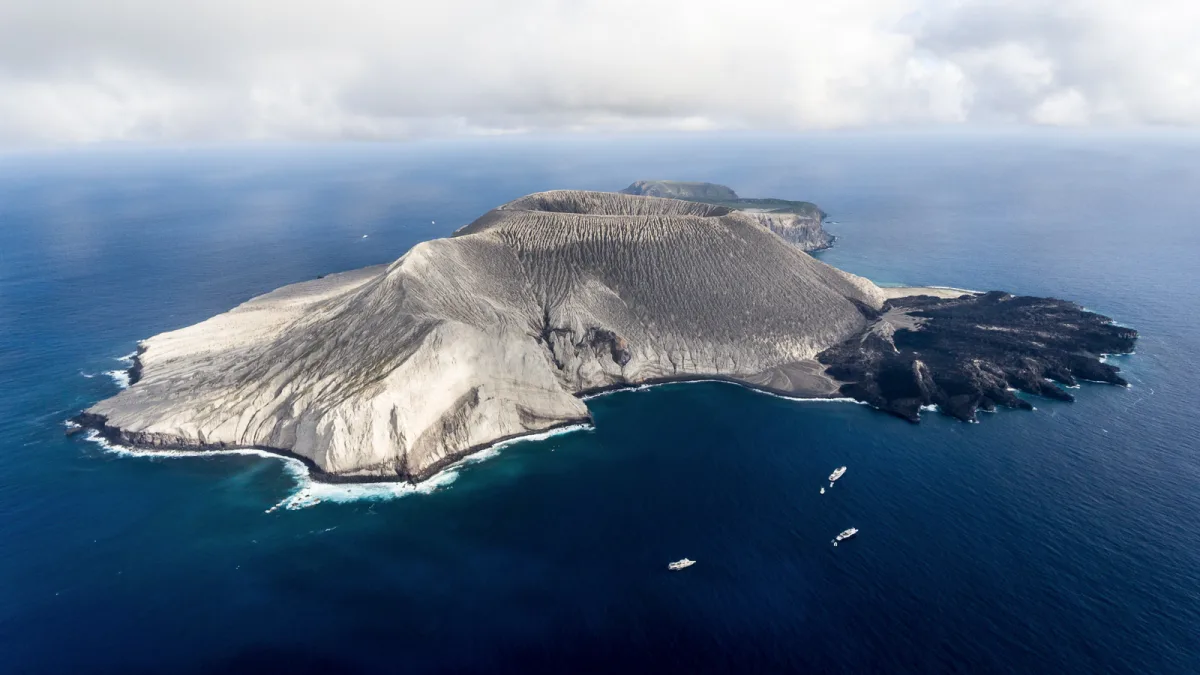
(1062, 540)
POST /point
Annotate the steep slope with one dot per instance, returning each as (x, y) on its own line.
(797, 222)
(678, 189)
(398, 370)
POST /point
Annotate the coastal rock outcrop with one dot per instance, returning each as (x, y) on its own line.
(398, 370)
(975, 352)
(801, 223)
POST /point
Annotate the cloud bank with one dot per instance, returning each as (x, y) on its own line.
(170, 70)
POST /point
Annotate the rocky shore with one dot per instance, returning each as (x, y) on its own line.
(974, 352)
(396, 371)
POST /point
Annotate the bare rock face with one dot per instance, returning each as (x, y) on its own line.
(797, 222)
(677, 189)
(398, 370)
(974, 351)
(802, 229)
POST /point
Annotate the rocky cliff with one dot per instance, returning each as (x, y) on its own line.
(800, 223)
(495, 332)
(397, 370)
(677, 189)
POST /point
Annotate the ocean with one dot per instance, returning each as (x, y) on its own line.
(1063, 540)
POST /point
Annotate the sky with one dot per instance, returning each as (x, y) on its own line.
(85, 71)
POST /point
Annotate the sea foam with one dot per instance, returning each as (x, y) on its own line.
(120, 377)
(803, 399)
(308, 492)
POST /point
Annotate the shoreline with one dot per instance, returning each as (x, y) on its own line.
(811, 397)
(805, 380)
(115, 438)
(800, 381)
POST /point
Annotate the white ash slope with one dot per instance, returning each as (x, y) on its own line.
(398, 370)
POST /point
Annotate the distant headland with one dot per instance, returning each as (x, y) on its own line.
(397, 370)
(798, 222)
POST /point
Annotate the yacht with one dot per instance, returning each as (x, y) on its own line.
(837, 473)
(680, 564)
(844, 535)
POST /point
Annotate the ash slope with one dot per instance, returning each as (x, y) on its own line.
(798, 222)
(492, 333)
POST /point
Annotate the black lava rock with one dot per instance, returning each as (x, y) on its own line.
(972, 352)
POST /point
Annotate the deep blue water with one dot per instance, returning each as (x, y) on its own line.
(1062, 540)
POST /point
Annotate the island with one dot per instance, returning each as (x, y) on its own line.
(499, 331)
(801, 223)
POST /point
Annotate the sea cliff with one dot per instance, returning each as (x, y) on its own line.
(397, 370)
(801, 223)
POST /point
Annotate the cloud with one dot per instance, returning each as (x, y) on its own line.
(147, 70)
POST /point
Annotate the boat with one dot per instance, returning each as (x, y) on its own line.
(837, 473)
(680, 564)
(844, 535)
(822, 490)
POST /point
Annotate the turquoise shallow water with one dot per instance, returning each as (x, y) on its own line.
(1063, 540)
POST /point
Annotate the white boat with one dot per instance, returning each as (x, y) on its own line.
(844, 535)
(822, 490)
(837, 473)
(680, 564)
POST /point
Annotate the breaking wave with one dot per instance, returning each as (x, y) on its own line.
(309, 492)
(494, 449)
(120, 377)
(804, 399)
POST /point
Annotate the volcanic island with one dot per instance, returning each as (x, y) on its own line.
(499, 331)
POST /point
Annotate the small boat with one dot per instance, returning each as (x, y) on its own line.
(822, 490)
(837, 473)
(680, 564)
(844, 535)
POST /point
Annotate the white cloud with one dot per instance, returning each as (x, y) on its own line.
(79, 70)
(1063, 108)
